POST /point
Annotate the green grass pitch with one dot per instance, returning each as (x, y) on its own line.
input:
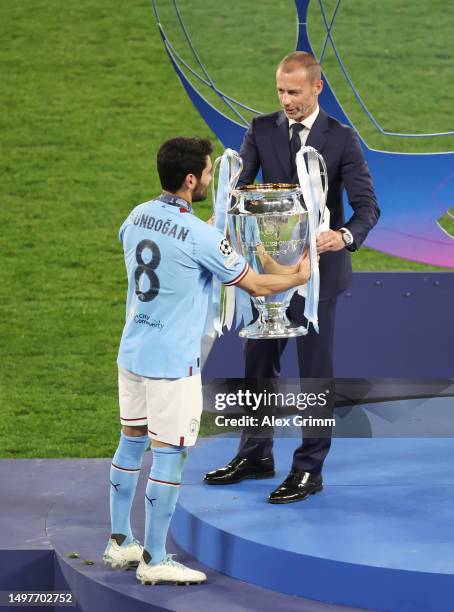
(87, 96)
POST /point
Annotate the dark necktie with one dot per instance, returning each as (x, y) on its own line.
(295, 143)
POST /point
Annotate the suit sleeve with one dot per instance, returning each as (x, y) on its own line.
(360, 190)
(250, 156)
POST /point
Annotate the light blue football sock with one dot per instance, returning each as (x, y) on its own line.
(124, 474)
(160, 499)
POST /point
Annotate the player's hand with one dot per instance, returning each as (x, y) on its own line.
(330, 241)
(211, 220)
(304, 267)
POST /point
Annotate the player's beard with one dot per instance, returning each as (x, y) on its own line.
(301, 112)
(200, 192)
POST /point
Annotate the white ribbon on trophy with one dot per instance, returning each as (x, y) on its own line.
(314, 193)
(226, 301)
(222, 304)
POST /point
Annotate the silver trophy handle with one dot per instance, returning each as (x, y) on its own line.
(312, 151)
(236, 176)
(216, 164)
(232, 155)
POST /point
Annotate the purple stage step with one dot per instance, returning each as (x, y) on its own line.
(53, 507)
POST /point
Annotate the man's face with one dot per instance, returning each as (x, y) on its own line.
(201, 188)
(298, 95)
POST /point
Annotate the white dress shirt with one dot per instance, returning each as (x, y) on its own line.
(308, 122)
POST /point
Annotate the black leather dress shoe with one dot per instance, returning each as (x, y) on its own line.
(296, 487)
(240, 468)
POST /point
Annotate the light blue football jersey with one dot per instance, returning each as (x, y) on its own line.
(170, 257)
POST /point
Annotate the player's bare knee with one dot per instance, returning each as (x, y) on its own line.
(138, 430)
(183, 450)
(159, 444)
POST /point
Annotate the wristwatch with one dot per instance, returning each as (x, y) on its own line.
(346, 236)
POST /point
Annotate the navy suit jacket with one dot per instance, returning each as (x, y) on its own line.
(266, 146)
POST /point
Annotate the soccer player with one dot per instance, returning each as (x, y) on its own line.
(170, 258)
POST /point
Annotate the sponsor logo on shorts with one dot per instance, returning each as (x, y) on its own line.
(193, 427)
(225, 247)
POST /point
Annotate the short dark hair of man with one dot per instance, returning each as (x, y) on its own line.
(179, 157)
(301, 59)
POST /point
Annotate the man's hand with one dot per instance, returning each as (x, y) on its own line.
(330, 241)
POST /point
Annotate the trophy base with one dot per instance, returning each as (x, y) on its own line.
(272, 322)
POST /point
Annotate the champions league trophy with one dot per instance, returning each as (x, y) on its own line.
(270, 228)
(272, 225)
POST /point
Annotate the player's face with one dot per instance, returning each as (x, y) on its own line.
(297, 94)
(201, 188)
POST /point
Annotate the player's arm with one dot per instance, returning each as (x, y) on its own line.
(269, 284)
(273, 267)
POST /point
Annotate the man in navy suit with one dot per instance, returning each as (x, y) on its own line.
(271, 144)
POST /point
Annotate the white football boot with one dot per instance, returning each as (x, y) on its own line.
(116, 556)
(168, 572)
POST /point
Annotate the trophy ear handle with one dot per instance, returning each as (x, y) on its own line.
(323, 177)
(234, 159)
(236, 175)
(214, 169)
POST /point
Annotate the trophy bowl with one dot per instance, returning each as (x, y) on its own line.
(269, 226)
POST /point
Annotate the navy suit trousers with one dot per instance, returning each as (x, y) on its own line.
(315, 360)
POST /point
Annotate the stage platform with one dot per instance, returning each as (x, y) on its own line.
(50, 508)
(379, 536)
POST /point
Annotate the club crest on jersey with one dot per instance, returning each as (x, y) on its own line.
(225, 247)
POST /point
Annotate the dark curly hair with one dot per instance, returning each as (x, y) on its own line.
(179, 157)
